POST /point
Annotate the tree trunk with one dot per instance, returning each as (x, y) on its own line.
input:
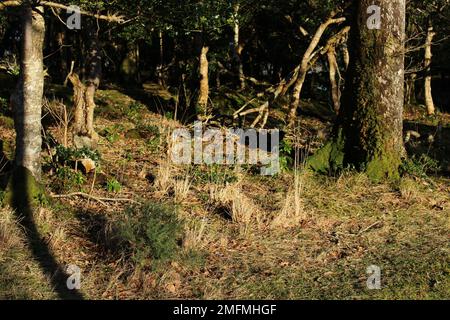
(368, 134)
(62, 53)
(346, 55)
(238, 49)
(28, 99)
(427, 85)
(304, 67)
(333, 72)
(84, 94)
(160, 66)
(202, 103)
(410, 89)
(130, 66)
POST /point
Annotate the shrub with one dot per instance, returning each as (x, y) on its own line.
(149, 231)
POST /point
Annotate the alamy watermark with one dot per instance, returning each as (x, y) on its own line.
(74, 280)
(73, 22)
(227, 147)
(374, 279)
(374, 21)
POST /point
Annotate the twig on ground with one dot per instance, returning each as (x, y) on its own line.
(98, 199)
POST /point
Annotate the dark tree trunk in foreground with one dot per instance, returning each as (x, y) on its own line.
(28, 99)
(368, 134)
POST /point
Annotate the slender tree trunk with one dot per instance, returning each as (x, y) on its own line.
(84, 94)
(204, 83)
(346, 55)
(94, 72)
(304, 67)
(368, 135)
(28, 100)
(129, 66)
(410, 88)
(160, 66)
(62, 55)
(238, 49)
(333, 73)
(427, 84)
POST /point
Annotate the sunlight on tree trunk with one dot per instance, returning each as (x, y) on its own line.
(84, 134)
(333, 72)
(238, 49)
(428, 55)
(28, 102)
(204, 83)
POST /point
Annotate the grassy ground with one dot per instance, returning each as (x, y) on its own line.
(222, 232)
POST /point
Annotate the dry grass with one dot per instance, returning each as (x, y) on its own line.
(293, 209)
(181, 189)
(296, 236)
(164, 178)
(194, 235)
(10, 235)
(241, 209)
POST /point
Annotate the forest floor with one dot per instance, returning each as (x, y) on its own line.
(238, 235)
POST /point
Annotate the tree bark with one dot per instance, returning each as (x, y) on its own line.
(427, 84)
(202, 103)
(28, 99)
(368, 134)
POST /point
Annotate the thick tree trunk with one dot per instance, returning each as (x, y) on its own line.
(427, 84)
(304, 67)
(202, 103)
(368, 135)
(28, 100)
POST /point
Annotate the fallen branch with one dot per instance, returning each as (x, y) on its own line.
(98, 199)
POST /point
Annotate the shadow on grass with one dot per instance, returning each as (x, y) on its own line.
(22, 200)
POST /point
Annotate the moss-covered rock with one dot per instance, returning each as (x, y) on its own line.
(329, 158)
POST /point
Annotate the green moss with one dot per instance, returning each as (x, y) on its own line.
(23, 191)
(329, 158)
(7, 122)
(383, 168)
